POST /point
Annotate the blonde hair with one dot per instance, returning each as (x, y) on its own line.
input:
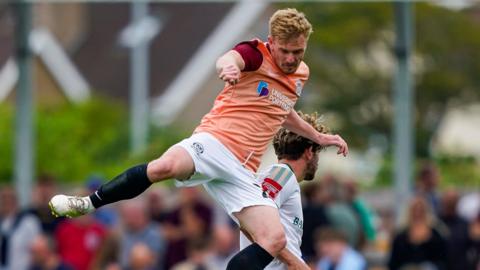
(418, 206)
(291, 145)
(289, 23)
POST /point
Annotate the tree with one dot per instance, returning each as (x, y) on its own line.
(74, 141)
(351, 59)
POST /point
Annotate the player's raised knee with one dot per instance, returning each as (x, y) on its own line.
(161, 169)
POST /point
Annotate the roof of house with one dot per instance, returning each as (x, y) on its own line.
(105, 63)
(102, 60)
(6, 34)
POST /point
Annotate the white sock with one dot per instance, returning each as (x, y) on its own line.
(90, 204)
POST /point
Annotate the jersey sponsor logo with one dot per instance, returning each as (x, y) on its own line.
(198, 147)
(270, 188)
(281, 100)
(298, 222)
(262, 89)
(274, 96)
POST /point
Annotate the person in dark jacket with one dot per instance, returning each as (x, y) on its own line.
(420, 243)
(457, 238)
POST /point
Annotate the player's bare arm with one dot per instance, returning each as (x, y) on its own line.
(229, 67)
(297, 125)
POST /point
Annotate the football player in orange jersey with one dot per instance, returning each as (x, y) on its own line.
(263, 81)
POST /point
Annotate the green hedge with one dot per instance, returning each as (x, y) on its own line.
(76, 141)
(6, 142)
(460, 172)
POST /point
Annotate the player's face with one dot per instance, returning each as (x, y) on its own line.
(312, 166)
(288, 54)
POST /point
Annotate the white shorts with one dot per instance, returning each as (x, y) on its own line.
(232, 185)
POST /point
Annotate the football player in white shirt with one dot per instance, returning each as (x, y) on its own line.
(297, 161)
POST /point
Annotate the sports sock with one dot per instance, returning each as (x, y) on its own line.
(252, 257)
(127, 185)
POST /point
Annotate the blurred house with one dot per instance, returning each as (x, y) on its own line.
(56, 78)
(182, 58)
(458, 131)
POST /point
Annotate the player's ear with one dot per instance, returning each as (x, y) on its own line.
(309, 153)
(270, 39)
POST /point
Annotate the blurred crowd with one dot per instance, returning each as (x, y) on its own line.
(182, 229)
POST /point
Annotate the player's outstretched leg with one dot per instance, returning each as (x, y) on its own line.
(175, 163)
(127, 185)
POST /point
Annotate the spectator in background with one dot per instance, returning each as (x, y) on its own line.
(364, 214)
(225, 245)
(474, 249)
(44, 256)
(17, 230)
(469, 206)
(79, 240)
(457, 238)
(141, 257)
(108, 254)
(426, 186)
(314, 218)
(156, 204)
(420, 243)
(138, 228)
(44, 189)
(339, 212)
(335, 253)
(199, 256)
(192, 219)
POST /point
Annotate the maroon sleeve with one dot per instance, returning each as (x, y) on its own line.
(251, 55)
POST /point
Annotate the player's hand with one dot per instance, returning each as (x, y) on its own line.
(335, 140)
(229, 74)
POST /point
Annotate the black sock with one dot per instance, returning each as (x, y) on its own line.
(252, 257)
(127, 185)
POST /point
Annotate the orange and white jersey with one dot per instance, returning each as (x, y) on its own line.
(246, 116)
